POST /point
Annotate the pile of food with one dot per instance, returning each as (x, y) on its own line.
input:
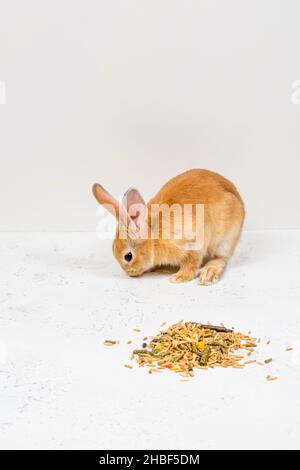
(185, 346)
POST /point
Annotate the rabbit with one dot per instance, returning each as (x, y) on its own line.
(223, 217)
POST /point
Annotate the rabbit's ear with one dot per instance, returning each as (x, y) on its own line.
(135, 206)
(107, 200)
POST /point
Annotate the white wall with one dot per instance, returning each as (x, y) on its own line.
(134, 91)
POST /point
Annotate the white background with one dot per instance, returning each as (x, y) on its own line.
(131, 92)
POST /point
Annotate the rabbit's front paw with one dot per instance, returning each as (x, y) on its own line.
(183, 276)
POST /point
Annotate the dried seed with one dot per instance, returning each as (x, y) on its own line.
(110, 342)
(268, 361)
(137, 330)
(271, 378)
(289, 349)
(128, 366)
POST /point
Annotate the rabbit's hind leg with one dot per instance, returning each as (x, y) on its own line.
(214, 268)
(212, 271)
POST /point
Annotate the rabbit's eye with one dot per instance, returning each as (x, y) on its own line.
(128, 257)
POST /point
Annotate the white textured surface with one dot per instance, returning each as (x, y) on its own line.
(63, 294)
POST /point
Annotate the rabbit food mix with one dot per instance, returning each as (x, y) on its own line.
(185, 346)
